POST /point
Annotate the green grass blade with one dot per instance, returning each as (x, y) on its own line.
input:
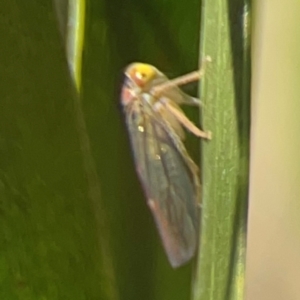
(225, 91)
(75, 38)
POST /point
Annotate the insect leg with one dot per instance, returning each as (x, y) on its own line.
(182, 80)
(188, 100)
(182, 118)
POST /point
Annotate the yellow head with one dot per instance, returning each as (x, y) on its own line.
(141, 74)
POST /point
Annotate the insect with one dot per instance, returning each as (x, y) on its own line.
(168, 175)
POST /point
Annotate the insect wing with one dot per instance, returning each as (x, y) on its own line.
(167, 178)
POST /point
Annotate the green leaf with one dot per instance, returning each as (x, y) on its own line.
(226, 95)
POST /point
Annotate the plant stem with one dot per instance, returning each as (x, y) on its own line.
(225, 92)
